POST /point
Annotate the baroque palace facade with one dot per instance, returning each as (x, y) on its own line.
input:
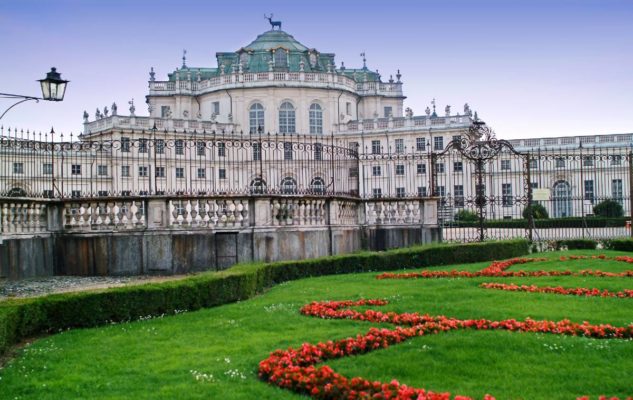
(278, 117)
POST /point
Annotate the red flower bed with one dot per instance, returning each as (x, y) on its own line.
(626, 293)
(295, 369)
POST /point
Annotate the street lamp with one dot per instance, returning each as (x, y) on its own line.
(53, 89)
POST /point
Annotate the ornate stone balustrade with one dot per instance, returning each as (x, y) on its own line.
(296, 79)
(298, 212)
(398, 124)
(347, 213)
(105, 215)
(393, 212)
(147, 123)
(209, 213)
(23, 217)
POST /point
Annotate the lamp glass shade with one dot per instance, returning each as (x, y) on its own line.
(53, 87)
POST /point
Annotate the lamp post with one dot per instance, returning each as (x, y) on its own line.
(53, 89)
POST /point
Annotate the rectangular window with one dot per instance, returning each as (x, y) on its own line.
(457, 138)
(400, 192)
(534, 185)
(202, 173)
(458, 166)
(560, 162)
(421, 191)
(221, 149)
(160, 146)
(480, 190)
(399, 169)
(376, 193)
(440, 191)
(216, 107)
(439, 168)
(257, 151)
(160, 172)
(421, 169)
(180, 172)
(399, 145)
(125, 144)
(48, 194)
(616, 190)
(287, 150)
(506, 194)
(348, 108)
(142, 145)
(125, 193)
(103, 193)
(420, 144)
(353, 172)
(75, 169)
(125, 170)
(388, 112)
(222, 173)
(375, 147)
(165, 111)
(438, 143)
(458, 192)
(587, 161)
(375, 170)
(180, 147)
(75, 193)
(589, 190)
(616, 160)
(18, 168)
(318, 151)
(200, 149)
(47, 169)
(533, 164)
(505, 165)
(102, 170)
(142, 171)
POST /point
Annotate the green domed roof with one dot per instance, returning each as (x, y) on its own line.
(274, 39)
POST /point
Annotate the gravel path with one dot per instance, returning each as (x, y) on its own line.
(33, 287)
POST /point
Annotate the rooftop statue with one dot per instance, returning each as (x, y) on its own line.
(273, 24)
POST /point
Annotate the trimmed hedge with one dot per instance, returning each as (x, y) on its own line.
(573, 244)
(571, 222)
(619, 244)
(22, 318)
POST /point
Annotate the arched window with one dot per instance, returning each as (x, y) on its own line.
(281, 58)
(288, 185)
(562, 199)
(316, 119)
(256, 118)
(317, 186)
(258, 186)
(286, 118)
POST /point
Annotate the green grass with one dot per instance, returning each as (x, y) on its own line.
(153, 359)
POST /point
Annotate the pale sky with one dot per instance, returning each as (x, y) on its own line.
(529, 68)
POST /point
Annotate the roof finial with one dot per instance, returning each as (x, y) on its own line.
(184, 58)
(272, 23)
(364, 60)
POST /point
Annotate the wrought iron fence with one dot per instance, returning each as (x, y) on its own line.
(162, 163)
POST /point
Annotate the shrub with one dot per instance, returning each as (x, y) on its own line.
(608, 208)
(619, 244)
(466, 216)
(572, 244)
(21, 318)
(537, 210)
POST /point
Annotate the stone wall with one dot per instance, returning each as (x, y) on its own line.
(137, 236)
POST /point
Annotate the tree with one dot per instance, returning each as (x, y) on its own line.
(466, 216)
(537, 210)
(608, 208)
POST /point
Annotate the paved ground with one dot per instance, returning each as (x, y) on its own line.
(33, 287)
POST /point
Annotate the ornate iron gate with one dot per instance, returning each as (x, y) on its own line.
(484, 188)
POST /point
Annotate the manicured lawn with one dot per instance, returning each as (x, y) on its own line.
(223, 346)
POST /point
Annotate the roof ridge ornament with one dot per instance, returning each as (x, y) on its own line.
(184, 58)
(272, 23)
(364, 60)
